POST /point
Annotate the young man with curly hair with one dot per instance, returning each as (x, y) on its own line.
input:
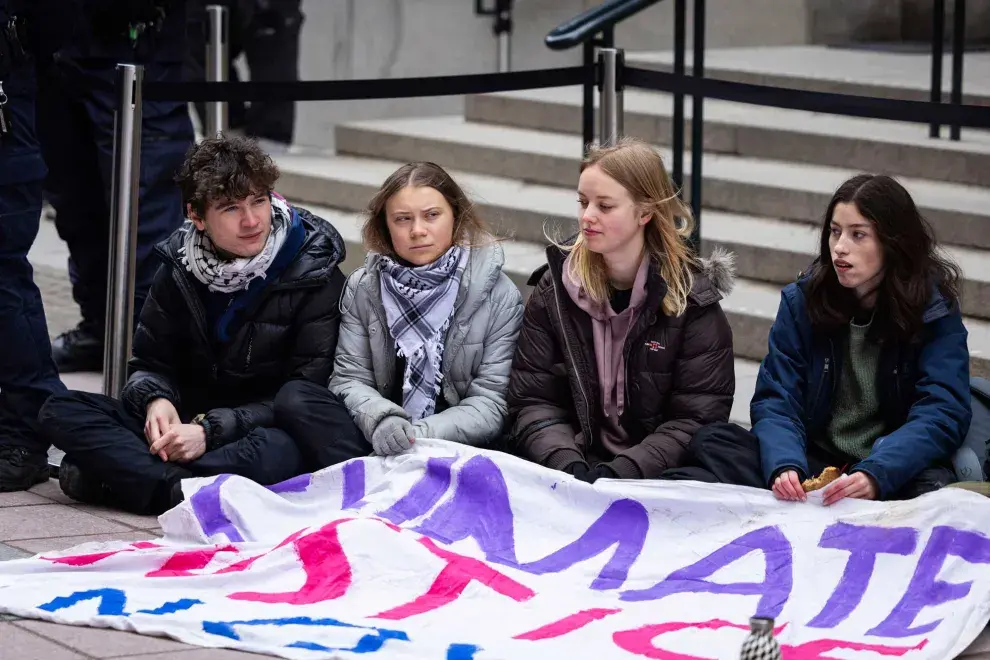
(245, 302)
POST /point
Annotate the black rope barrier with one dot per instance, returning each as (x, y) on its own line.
(378, 88)
(850, 105)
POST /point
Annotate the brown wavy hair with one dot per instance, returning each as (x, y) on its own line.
(913, 264)
(223, 169)
(469, 228)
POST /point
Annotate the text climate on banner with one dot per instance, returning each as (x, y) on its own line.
(454, 552)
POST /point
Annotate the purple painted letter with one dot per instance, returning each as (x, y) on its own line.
(775, 588)
(480, 509)
(926, 589)
(624, 524)
(424, 495)
(863, 545)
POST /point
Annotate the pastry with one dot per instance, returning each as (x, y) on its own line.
(827, 476)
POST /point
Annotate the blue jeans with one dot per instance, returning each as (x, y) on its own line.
(27, 372)
(75, 126)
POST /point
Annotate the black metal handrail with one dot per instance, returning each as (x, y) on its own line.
(958, 50)
(595, 27)
(587, 25)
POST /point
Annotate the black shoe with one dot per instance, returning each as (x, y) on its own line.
(79, 349)
(80, 486)
(21, 468)
(175, 495)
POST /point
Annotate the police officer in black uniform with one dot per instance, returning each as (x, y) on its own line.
(30, 31)
(76, 102)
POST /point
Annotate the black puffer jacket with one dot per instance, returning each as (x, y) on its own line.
(288, 332)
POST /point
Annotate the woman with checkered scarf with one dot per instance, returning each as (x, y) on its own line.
(428, 326)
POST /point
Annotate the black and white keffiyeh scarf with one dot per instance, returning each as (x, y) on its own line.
(419, 303)
(199, 255)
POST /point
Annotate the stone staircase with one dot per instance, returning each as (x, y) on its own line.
(768, 175)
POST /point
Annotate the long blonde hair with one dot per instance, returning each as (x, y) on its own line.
(638, 168)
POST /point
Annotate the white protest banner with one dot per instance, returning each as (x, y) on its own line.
(451, 552)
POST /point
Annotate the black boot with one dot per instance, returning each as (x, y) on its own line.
(79, 349)
(81, 486)
(21, 468)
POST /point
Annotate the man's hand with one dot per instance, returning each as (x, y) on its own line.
(858, 485)
(161, 417)
(787, 486)
(181, 444)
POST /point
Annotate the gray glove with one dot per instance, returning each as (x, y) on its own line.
(393, 435)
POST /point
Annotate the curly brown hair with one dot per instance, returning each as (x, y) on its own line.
(224, 169)
(470, 230)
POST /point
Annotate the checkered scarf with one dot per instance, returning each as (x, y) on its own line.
(419, 303)
(199, 255)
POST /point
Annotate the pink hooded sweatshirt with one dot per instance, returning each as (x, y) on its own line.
(610, 332)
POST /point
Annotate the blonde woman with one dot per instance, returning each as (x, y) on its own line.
(428, 329)
(624, 351)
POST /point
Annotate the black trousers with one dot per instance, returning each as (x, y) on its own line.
(729, 454)
(319, 423)
(106, 441)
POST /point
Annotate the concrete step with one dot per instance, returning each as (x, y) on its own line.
(791, 191)
(777, 250)
(759, 132)
(841, 70)
(346, 183)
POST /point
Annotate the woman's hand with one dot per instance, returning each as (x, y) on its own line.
(787, 486)
(858, 485)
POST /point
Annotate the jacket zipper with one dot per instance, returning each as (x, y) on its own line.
(198, 315)
(821, 382)
(570, 356)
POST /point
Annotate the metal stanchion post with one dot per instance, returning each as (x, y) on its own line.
(677, 127)
(503, 33)
(610, 98)
(938, 43)
(217, 66)
(958, 47)
(588, 101)
(697, 121)
(123, 227)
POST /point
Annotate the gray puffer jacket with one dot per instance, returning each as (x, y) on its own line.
(477, 355)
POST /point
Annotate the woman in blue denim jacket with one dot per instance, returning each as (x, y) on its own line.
(867, 368)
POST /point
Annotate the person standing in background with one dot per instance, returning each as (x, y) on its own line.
(35, 29)
(75, 115)
(267, 32)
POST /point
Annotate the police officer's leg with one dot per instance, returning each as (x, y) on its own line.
(167, 134)
(27, 372)
(272, 49)
(78, 191)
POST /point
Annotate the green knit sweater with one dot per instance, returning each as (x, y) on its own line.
(856, 420)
